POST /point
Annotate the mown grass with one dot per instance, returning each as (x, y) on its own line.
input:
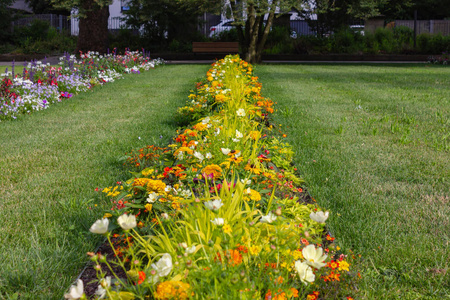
(373, 143)
(51, 162)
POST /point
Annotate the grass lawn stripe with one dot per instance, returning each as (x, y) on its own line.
(372, 143)
(52, 160)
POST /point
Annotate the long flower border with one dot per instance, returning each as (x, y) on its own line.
(220, 213)
(39, 84)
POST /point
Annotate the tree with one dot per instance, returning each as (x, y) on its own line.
(164, 22)
(93, 26)
(5, 20)
(46, 7)
(253, 20)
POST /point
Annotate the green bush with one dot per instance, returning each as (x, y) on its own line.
(279, 41)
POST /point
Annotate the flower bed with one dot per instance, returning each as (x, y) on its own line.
(220, 213)
(40, 85)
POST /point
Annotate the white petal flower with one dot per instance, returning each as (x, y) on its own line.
(127, 221)
(100, 226)
(191, 249)
(314, 257)
(214, 204)
(225, 150)
(268, 218)
(199, 156)
(208, 155)
(75, 291)
(239, 135)
(164, 265)
(319, 217)
(218, 221)
(236, 140)
(105, 283)
(245, 182)
(304, 272)
(240, 112)
(152, 197)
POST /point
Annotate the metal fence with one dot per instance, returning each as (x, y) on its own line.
(211, 27)
(427, 26)
(114, 24)
(60, 22)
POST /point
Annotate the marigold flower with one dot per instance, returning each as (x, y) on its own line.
(173, 290)
(213, 169)
(156, 186)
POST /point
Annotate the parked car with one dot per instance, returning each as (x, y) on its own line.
(223, 26)
(357, 29)
(226, 25)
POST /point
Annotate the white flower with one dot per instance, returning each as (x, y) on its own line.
(214, 204)
(165, 216)
(127, 221)
(168, 188)
(191, 249)
(239, 135)
(217, 131)
(240, 112)
(269, 218)
(75, 291)
(104, 284)
(180, 155)
(319, 217)
(225, 150)
(236, 140)
(208, 155)
(245, 182)
(304, 272)
(314, 257)
(218, 221)
(152, 197)
(199, 156)
(164, 265)
(206, 120)
(100, 226)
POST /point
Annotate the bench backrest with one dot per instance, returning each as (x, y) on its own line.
(215, 47)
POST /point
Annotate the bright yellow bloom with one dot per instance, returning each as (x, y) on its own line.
(254, 250)
(221, 98)
(343, 266)
(156, 186)
(227, 228)
(173, 290)
(250, 194)
(140, 182)
(213, 169)
(183, 149)
(148, 206)
(147, 172)
(297, 254)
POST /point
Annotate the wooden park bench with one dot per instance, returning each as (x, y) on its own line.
(215, 47)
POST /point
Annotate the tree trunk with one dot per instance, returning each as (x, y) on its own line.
(93, 34)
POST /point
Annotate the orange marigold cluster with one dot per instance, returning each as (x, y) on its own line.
(173, 290)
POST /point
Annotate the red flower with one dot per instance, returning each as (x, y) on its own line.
(142, 277)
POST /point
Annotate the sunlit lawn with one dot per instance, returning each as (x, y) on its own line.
(51, 162)
(373, 143)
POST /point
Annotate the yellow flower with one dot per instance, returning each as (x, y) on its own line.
(254, 250)
(213, 169)
(221, 98)
(297, 254)
(148, 206)
(250, 194)
(200, 126)
(254, 135)
(343, 266)
(147, 172)
(140, 181)
(227, 228)
(156, 186)
(173, 290)
(183, 149)
(107, 215)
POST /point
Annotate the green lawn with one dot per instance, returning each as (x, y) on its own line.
(373, 144)
(51, 162)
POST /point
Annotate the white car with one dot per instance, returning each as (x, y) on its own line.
(223, 26)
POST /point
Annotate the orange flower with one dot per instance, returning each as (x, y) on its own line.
(213, 169)
(142, 277)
